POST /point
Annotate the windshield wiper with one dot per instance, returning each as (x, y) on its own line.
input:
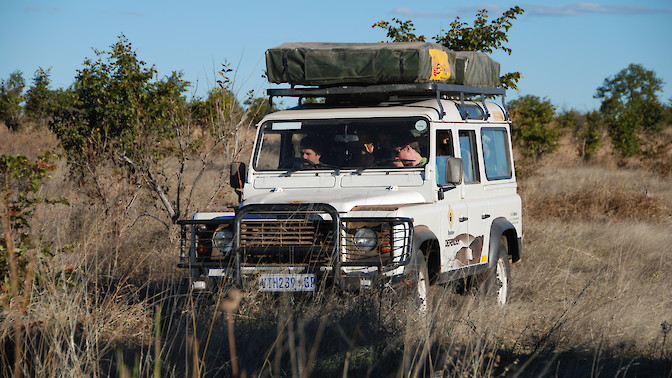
(312, 166)
(379, 163)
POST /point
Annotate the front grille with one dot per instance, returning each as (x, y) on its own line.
(278, 233)
(287, 234)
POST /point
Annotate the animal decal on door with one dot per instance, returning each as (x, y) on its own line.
(470, 249)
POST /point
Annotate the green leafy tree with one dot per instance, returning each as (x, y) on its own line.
(39, 97)
(402, 32)
(590, 135)
(20, 181)
(223, 116)
(630, 106)
(11, 97)
(569, 119)
(587, 130)
(482, 36)
(220, 107)
(532, 130)
(117, 112)
(257, 107)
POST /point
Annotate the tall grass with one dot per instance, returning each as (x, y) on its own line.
(590, 295)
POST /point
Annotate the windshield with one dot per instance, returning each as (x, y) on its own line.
(343, 144)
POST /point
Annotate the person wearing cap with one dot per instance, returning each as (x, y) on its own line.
(408, 154)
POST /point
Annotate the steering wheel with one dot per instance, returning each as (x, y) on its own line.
(296, 163)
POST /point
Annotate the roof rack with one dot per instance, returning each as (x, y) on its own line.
(387, 90)
(391, 89)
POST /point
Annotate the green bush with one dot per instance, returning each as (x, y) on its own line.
(630, 106)
(532, 130)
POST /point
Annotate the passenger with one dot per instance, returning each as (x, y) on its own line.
(408, 154)
(311, 150)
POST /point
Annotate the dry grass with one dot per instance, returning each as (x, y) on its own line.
(593, 193)
(590, 295)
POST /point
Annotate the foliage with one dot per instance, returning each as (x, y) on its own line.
(402, 33)
(11, 97)
(590, 135)
(482, 36)
(20, 180)
(569, 119)
(118, 112)
(257, 107)
(630, 106)
(587, 130)
(117, 108)
(39, 97)
(531, 128)
(220, 106)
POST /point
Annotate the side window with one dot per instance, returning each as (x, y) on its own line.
(496, 154)
(468, 154)
(444, 150)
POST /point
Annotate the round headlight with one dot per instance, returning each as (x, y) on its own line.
(222, 239)
(365, 239)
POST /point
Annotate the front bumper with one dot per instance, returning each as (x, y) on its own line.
(296, 238)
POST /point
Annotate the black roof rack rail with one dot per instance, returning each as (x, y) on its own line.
(390, 89)
(387, 90)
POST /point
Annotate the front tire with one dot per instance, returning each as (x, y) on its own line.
(417, 280)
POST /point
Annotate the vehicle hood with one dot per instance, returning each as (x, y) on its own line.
(343, 201)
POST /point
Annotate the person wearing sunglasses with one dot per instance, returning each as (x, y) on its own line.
(407, 154)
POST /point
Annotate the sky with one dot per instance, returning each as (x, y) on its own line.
(564, 49)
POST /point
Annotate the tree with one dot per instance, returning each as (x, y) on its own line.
(117, 112)
(590, 135)
(587, 130)
(257, 107)
(482, 36)
(11, 97)
(630, 106)
(401, 33)
(20, 181)
(569, 119)
(531, 128)
(39, 97)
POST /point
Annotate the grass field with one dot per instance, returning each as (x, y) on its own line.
(591, 295)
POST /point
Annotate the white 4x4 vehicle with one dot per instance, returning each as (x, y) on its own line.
(378, 185)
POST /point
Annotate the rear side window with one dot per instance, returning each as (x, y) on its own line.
(496, 155)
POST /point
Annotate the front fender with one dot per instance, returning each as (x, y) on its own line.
(421, 234)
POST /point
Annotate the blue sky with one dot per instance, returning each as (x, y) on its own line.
(565, 49)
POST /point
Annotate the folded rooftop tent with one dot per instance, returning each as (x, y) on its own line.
(334, 64)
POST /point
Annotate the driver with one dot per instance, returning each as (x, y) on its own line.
(311, 150)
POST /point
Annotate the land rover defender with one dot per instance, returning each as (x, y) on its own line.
(407, 184)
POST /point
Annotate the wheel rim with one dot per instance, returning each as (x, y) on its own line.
(421, 291)
(502, 283)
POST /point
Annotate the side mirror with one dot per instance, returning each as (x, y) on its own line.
(237, 174)
(454, 171)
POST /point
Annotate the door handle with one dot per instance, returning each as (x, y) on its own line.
(485, 216)
(463, 219)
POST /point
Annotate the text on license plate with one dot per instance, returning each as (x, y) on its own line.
(287, 282)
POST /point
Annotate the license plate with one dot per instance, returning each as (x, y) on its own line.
(216, 272)
(287, 282)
